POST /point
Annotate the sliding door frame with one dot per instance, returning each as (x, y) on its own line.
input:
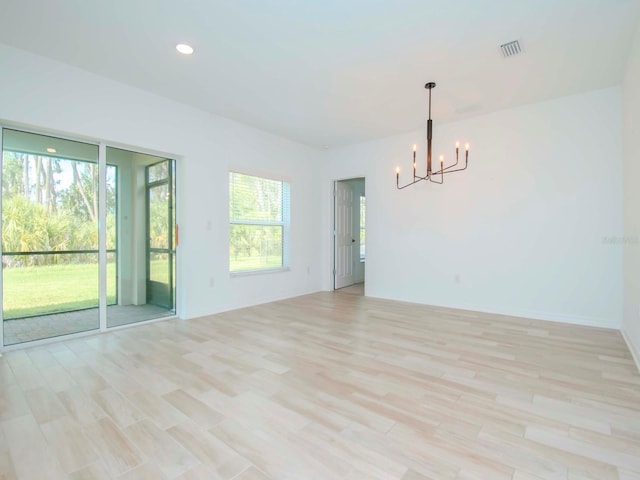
(102, 235)
(169, 181)
(2, 347)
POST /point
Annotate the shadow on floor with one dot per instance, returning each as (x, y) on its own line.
(355, 289)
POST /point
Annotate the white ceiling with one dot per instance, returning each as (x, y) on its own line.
(335, 72)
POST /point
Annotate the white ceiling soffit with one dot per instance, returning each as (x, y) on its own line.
(335, 72)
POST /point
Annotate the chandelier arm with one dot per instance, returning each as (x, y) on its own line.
(411, 183)
(457, 169)
(435, 181)
(451, 166)
(448, 169)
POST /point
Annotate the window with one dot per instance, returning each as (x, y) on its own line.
(259, 223)
(362, 227)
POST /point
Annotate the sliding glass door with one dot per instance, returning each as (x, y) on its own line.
(145, 244)
(49, 236)
(51, 216)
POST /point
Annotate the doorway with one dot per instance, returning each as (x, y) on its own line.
(146, 222)
(88, 237)
(349, 235)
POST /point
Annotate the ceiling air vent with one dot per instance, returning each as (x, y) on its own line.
(510, 49)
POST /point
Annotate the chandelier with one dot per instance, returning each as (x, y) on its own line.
(436, 176)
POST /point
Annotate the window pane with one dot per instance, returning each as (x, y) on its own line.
(112, 279)
(254, 198)
(49, 236)
(159, 216)
(255, 247)
(159, 269)
(158, 172)
(112, 206)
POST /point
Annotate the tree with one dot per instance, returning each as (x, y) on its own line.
(12, 174)
(51, 204)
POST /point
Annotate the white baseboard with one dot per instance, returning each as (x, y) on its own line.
(584, 320)
(635, 352)
(521, 313)
(254, 302)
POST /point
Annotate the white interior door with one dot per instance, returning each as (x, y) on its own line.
(345, 240)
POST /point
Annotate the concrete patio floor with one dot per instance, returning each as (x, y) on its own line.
(46, 326)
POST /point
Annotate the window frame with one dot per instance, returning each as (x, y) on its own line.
(284, 223)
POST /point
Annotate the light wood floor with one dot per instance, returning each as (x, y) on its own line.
(355, 289)
(325, 386)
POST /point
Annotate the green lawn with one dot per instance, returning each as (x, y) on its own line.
(244, 263)
(159, 271)
(53, 288)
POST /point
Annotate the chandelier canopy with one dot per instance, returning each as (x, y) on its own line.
(436, 176)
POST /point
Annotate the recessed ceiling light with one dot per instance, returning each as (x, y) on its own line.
(184, 49)
(51, 150)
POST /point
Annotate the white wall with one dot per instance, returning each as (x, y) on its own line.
(631, 155)
(49, 95)
(521, 232)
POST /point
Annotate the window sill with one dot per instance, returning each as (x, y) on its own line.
(248, 273)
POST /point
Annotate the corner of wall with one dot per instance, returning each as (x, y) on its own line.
(630, 328)
(635, 351)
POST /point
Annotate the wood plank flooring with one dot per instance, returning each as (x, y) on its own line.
(325, 386)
